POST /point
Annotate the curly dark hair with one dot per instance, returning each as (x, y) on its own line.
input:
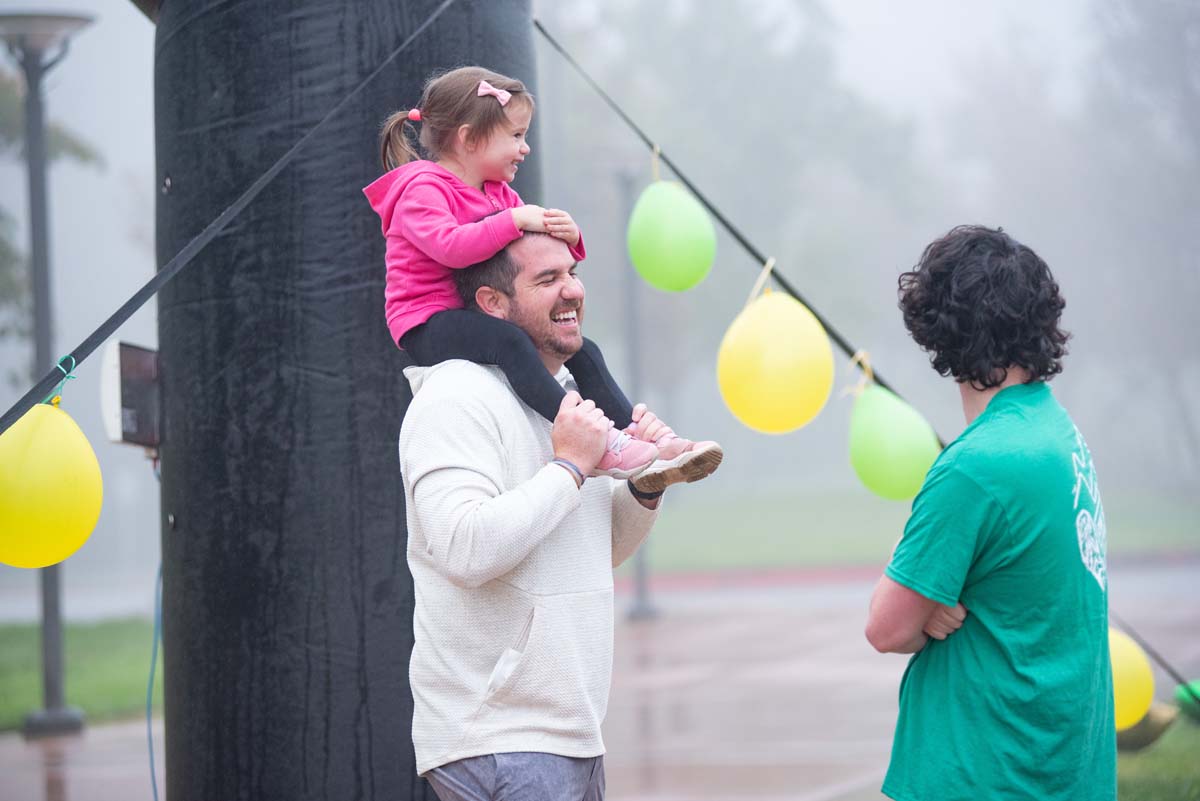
(980, 302)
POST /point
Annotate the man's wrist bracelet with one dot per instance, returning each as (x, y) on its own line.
(571, 468)
(643, 496)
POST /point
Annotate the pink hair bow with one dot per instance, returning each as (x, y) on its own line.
(486, 88)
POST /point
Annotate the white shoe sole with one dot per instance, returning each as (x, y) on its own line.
(687, 467)
(620, 474)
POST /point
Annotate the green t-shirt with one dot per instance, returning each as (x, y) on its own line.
(1018, 703)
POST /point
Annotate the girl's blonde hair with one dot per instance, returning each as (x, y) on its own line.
(451, 100)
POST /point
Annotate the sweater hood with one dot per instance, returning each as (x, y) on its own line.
(417, 376)
(384, 192)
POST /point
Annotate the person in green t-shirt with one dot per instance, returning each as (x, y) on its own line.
(998, 587)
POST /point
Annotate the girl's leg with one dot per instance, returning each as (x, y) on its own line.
(597, 384)
(476, 337)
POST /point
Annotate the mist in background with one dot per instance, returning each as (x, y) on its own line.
(841, 138)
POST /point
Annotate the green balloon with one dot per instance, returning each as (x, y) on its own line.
(891, 445)
(1185, 700)
(672, 241)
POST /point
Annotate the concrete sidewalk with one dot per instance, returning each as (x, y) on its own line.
(747, 686)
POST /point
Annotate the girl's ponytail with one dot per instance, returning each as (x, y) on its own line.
(395, 148)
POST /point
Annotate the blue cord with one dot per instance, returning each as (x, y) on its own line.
(150, 685)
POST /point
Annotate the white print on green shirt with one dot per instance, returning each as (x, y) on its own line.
(1089, 525)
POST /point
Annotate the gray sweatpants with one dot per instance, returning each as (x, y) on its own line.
(521, 776)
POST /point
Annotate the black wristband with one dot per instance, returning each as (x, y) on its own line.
(643, 496)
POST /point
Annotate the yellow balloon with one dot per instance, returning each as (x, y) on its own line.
(1133, 680)
(775, 366)
(50, 489)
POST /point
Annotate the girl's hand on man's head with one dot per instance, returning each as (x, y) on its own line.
(560, 225)
(530, 218)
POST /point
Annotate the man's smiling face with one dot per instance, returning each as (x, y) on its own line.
(547, 300)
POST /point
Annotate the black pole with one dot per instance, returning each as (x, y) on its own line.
(287, 602)
(39, 244)
(55, 717)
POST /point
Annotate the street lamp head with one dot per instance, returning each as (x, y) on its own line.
(39, 33)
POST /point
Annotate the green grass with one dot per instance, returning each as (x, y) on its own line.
(106, 664)
(1169, 770)
(701, 532)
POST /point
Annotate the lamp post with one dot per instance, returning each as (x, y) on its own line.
(38, 42)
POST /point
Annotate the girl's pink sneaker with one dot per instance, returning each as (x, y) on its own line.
(679, 460)
(625, 456)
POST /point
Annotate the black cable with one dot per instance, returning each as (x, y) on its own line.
(198, 243)
(749, 247)
(1156, 656)
(157, 638)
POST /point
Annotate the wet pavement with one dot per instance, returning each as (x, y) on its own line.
(104, 763)
(745, 686)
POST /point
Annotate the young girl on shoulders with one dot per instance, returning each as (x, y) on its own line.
(456, 210)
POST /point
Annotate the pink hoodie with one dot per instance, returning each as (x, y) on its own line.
(435, 223)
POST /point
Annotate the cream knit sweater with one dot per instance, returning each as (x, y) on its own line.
(512, 567)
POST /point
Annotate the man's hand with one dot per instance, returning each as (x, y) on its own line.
(945, 620)
(580, 432)
(529, 218)
(560, 226)
(647, 426)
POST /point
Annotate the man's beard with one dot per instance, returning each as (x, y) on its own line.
(546, 339)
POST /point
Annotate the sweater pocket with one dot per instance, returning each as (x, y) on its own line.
(559, 681)
(509, 661)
